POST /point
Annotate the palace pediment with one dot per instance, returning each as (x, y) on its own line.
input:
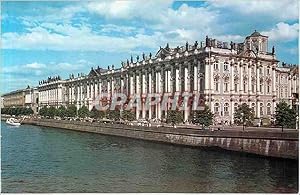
(162, 53)
(248, 53)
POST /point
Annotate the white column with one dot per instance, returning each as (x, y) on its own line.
(232, 111)
(273, 81)
(166, 81)
(159, 88)
(131, 84)
(169, 81)
(196, 88)
(150, 90)
(177, 79)
(186, 82)
(122, 85)
(112, 86)
(81, 93)
(150, 82)
(143, 83)
(231, 78)
(207, 78)
(257, 79)
(241, 91)
(96, 89)
(249, 80)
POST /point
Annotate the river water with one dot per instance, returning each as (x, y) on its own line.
(39, 159)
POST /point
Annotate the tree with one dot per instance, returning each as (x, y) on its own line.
(285, 116)
(244, 115)
(83, 112)
(94, 113)
(128, 115)
(71, 111)
(174, 117)
(52, 111)
(43, 111)
(113, 114)
(203, 117)
(62, 112)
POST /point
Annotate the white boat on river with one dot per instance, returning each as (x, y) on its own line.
(13, 122)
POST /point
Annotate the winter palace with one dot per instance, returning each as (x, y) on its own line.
(224, 74)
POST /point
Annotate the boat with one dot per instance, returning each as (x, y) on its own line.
(13, 122)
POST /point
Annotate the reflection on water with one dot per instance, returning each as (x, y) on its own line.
(38, 159)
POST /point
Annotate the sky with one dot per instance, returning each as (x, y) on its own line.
(42, 39)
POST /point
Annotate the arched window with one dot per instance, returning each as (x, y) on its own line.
(236, 87)
(261, 109)
(261, 87)
(253, 107)
(216, 85)
(236, 106)
(202, 67)
(245, 86)
(226, 86)
(226, 108)
(201, 84)
(216, 66)
(269, 109)
(216, 108)
(225, 66)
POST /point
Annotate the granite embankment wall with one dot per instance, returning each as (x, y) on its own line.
(273, 144)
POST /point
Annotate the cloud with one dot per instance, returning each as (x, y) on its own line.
(34, 65)
(283, 9)
(137, 26)
(182, 24)
(283, 32)
(128, 9)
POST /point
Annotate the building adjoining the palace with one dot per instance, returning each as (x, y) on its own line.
(21, 98)
(225, 74)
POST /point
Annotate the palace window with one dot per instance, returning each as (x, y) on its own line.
(236, 87)
(201, 84)
(260, 87)
(260, 71)
(261, 109)
(269, 109)
(253, 88)
(216, 85)
(226, 86)
(216, 66)
(268, 88)
(225, 66)
(235, 69)
(253, 107)
(202, 67)
(245, 86)
(236, 106)
(226, 106)
(216, 108)
(268, 71)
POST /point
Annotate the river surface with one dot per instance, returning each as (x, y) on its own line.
(39, 159)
